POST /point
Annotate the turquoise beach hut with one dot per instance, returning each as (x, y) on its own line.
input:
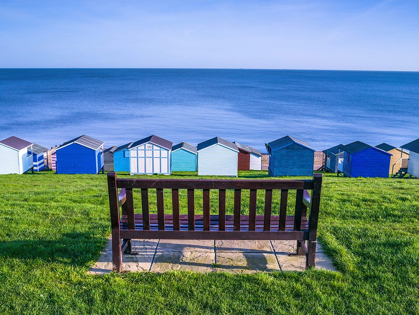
(184, 157)
(217, 156)
(121, 158)
(289, 156)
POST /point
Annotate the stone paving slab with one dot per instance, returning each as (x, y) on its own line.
(246, 262)
(243, 246)
(144, 252)
(209, 256)
(197, 261)
(186, 245)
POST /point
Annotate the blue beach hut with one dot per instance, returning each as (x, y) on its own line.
(151, 155)
(82, 155)
(333, 158)
(184, 157)
(38, 157)
(363, 160)
(121, 158)
(289, 156)
(217, 156)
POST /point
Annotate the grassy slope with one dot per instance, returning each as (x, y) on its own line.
(369, 226)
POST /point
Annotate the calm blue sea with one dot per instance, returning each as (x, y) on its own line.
(323, 108)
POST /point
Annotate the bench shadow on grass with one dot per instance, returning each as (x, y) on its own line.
(76, 249)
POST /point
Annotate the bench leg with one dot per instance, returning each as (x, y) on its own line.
(116, 252)
(300, 250)
(311, 255)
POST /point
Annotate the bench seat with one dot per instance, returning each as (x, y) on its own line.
(214, 223)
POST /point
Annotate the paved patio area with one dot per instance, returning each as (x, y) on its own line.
(211, 256)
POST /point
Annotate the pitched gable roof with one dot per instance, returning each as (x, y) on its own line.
(247, 148)
(110, 150)
(154, 139)
(186, 146)
(217, 140)
(286, 141)
(16, 143)
(38, 149)
(358, 146)
(385, 146)
(84, 140)
(123, 147)
(412, 146)
(334, 150)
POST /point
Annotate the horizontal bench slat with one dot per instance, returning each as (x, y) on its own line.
(213, 184)
(215, 235)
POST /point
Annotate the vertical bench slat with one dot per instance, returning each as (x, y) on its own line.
(268, 210)
(115, 222)
(146, 211)
(237, 208)
(222, 209)
(160, 208)
(175, 207)
(283, 209)
(298, 209)
(206, 209)
(130, 209)
(252, 209)
(191, 209)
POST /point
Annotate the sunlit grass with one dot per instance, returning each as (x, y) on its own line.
(53, 227)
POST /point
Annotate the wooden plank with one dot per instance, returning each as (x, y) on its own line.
(237, 208)
(268, 210)
(315, 206)
(160, 208)
(214, 183)
(252, 209)
(298, 210)
(215, 235)
(191, 209)
(283, 209)
(115, 222)
(130, 208)
(222, 209)
(175, 207)
(206, 208)
(145, 208)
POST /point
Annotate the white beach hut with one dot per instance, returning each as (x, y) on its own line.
(15, 156)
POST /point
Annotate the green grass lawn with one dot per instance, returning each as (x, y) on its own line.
(53, 227)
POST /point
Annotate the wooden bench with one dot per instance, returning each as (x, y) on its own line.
(214, 226)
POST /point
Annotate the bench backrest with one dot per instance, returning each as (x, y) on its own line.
(304, 200)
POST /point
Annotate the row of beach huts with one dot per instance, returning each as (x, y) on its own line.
(286, 156)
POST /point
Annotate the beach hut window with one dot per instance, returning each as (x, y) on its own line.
(126, 153)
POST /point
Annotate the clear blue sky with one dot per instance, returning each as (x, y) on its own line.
(292, 34)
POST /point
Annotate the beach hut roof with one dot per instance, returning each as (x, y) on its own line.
(85, 141)
(186, 146)
(38, 149)
(154, 139)
(247, 148)
(385, 146)
(111, 149)
(217, 140)
(358, 146)
(123, 147)
(334, 150)
(16, 143)
(286, 141)
(412, 146)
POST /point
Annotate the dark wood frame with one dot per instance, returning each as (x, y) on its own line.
(214, 227)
